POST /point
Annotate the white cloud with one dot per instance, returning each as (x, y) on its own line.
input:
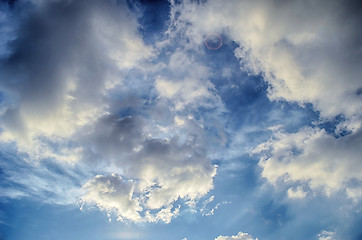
(113, 193)
(184, 92)
(296, 193)
(134, 201)
(187, 83)
(190, 181)
(313, 157)
(303, 49)
(240, 236)
(326, 235)
(165, 214)
(205, 211)
(308, 53)
(164, 169)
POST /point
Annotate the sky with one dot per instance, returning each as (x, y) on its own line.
(181, 120)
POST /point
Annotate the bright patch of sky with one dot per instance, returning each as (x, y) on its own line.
(209, 120)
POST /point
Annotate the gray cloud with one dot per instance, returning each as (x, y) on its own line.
(163, 170)
(69, 103)
(61, 65)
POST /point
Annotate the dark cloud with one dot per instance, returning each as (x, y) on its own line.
(112, 138)
(55, 43)
(65, 73)
(54, 78)
(63, 59)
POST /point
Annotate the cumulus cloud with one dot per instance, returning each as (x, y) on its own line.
(139, 202)
(240, 236)
(113, 193)
(55, 82)
(163, 170)
(66, 100)
(308, 52)
(74, 92)
(313, 157)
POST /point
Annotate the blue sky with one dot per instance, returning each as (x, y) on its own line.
(212, 120)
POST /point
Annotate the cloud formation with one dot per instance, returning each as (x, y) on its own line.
(101, 108)
(240, 236)
(113, 193)
(313, 157)
(68, 101)
(303, 49)
(325, 235)
(308, 52)
(163, 170)
(54, 78)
